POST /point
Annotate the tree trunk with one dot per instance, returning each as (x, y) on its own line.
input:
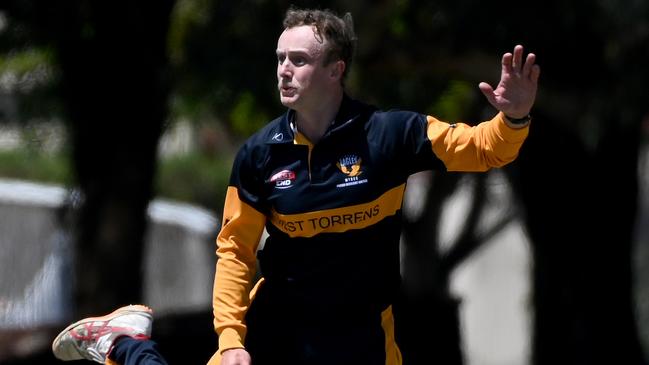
(113, 60)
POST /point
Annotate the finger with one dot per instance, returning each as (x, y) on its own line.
(534, 75)
(486, 88)
(507, 63)
(529, 62)
(517, 58)
(488, 92)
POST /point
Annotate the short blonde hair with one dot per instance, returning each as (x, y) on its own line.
(338, 31)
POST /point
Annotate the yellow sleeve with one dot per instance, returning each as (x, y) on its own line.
(475, 148)
(235, 268)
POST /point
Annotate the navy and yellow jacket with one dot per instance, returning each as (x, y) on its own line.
(333, 210)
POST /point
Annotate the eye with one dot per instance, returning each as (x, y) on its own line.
(280, 58)
(298, 61)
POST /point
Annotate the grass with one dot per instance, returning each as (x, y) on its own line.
(192, 178)
(25, 164)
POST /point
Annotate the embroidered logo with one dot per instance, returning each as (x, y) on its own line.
(283, 179)
(278, 137)
(351, 166)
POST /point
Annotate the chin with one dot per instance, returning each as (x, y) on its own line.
(288, 102)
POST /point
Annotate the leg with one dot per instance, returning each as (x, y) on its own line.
(130, 351)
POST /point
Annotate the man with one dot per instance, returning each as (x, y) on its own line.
(326, 180)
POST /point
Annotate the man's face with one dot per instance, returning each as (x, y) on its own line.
(302, 78)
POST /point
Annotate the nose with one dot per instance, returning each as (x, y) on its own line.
(284, 68)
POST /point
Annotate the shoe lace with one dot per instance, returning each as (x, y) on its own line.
(96, 338)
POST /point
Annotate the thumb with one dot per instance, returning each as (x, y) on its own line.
(488, 92)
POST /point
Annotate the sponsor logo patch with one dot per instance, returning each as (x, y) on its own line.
(283, 179)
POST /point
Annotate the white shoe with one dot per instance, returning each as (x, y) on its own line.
(92, 338)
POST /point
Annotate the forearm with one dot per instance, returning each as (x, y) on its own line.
(235, 269)
(465, 148)
(230, 302)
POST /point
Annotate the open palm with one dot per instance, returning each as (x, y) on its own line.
(516, 91)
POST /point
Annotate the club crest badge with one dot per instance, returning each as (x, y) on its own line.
(352, 167)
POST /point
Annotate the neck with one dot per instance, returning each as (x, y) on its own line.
(314, 122)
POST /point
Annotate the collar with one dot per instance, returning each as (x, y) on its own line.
(348, 112)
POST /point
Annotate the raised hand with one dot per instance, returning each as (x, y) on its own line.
(235, 357)
(516, 91)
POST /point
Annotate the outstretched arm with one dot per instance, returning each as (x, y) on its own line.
(516, 91)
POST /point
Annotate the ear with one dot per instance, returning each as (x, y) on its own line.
(338, 69)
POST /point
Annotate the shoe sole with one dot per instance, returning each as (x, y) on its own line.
(129, 309)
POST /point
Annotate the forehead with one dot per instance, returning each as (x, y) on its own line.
(300, 38)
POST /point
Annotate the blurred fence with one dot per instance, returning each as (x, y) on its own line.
(36, 256)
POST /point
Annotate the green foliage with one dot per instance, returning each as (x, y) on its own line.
(27, 164)
(398, 24)
(451, 105)
(245, 116)
(186, 15)
(222, 60)
(23, 62)
(194, 178)
(29, 75)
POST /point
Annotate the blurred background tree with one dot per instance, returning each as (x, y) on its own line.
(111, 63)
(120, 74)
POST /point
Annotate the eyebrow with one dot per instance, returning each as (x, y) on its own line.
(293, 52)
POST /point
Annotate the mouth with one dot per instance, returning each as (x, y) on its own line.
(287, 90)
